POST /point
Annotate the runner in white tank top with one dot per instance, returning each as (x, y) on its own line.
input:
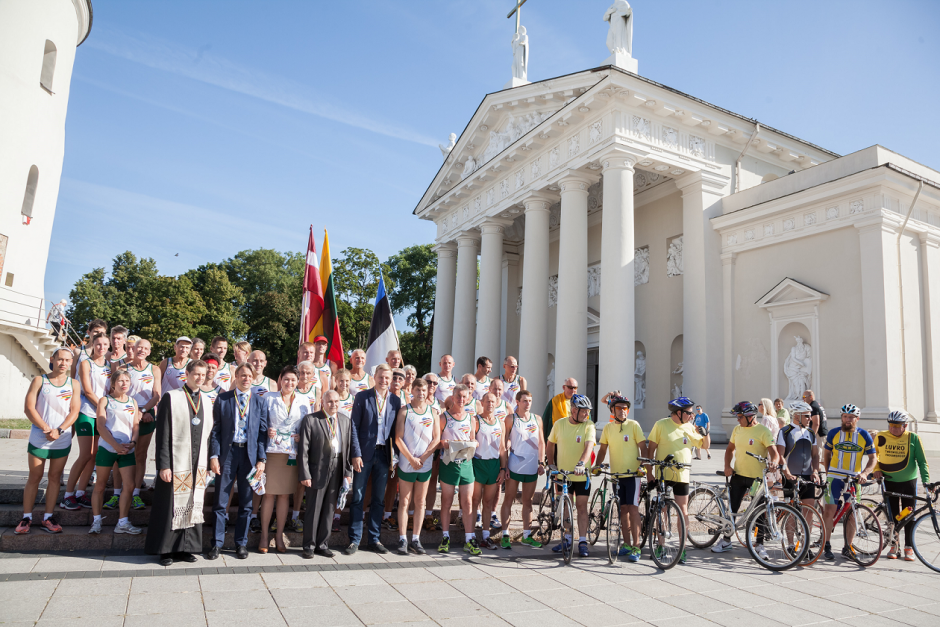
(223, 377)
(359, 379)
(174, 377)
(512, 381)
(445, 380)
(306, 385)
(503, 408)
(141, 389)
(145, 389)
(98, 375)
(489, 466)
(53, 404)
(120, 418)
(417, 437)
(342, 380)
(526, 452)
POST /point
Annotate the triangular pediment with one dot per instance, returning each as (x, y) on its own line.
(790, 292)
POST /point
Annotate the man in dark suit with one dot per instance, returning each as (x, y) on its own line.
(324, 463)
(236, 445)
(373, 422)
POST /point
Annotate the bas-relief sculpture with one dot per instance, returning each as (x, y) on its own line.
(641, 265)
(594, 281)
(674, 257)
(469, 167)
(514, 129)
(639, 381)
(553, 290)
(798, 367)
(520, 54)
(445, 150)
(620, 34)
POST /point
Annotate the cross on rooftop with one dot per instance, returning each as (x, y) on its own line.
(517, 10)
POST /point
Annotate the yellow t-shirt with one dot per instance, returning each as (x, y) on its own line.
(569, 441)
(746, 440)
(676, 440)
(623, 442)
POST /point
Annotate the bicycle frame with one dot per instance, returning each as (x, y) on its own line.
(849, 504)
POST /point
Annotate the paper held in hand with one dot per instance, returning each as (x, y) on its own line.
(458, 450)
(256, 481)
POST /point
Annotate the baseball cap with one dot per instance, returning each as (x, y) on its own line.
(319, 338)
(183, 339)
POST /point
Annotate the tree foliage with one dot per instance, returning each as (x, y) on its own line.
(414, 271)
(355, 283)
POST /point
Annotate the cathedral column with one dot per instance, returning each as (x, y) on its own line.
(491, 288)
(533, 324)
(465, 307)
(444, 301)
(930, 262)
(702, 317)
(727, 266)
(509, 316)
(617, 339)
(571, 326)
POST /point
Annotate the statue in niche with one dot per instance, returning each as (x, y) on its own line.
(469, 167)
(677, 387)
(445, 150)
(639, 381)
(620, 35)
(798, 367)
(520, 54)
(674, 258)
(641, 266)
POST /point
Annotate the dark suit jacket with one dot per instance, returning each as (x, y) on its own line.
(224, 421)
(314, 453)
(365, 422)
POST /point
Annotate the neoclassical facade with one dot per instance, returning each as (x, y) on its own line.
(603, 226)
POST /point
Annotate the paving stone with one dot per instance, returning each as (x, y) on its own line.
(85, 607)
(238, 600)
(451, 608)
(245, 618)
(324, 616)
(232, 583)
(396, 611)
(305, 597)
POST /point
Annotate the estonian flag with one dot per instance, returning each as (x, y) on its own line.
(382, 334)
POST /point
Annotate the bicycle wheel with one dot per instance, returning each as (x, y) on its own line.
(817, 535)
(644, 512)
(544, 520)
(926, 541)
(783, 534)
(566, 525)
(596, 513)
(739, 530)
(666, 534)
(887, 525)
(869, 538)
(614, 532)
(704, 512)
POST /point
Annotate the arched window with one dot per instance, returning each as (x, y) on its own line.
(48, 66)
(32, 182)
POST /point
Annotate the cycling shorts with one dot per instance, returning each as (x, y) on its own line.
(628, 490)
(679, 488)
(835, 490)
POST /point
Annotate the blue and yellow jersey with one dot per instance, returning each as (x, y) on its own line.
(849, 450)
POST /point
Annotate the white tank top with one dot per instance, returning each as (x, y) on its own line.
(358, 385)
(457, 429)
(141, 389)
(471, 408)
(311, 395)
(482, 387)
(502, 410)
(174, 378)
(419, 431)
(445, 387)
(488, 437)
(345, 405)
(53, 405)
(223, 377)
(212, 394)
(261, 388)
(524, 445)
(99, 375)
(119, 420)
(325, 371)
(510, 389)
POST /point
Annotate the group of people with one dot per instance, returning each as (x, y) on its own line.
(321, 436)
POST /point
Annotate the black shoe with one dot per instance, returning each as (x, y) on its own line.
(241, 552)
(307, 554)
(323, 552)
(402, 546)
(378, 547)
(827, 553)
(415, 547)
(213, 553)
(254, 525)
(166, 559)
(188, 557)
(351, 549)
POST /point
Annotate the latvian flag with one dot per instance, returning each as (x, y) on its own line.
(382, 334)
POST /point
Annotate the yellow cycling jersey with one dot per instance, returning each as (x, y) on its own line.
(849, 450)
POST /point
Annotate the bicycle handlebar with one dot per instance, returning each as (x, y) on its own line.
(662, 462)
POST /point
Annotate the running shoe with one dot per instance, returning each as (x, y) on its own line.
(658, 551)
(415, 547)
(472, 547)
(625, 549)
(23, 527)
(561, 546)
(70, 503)
(530, 541)
(847, 553)
(295, 524)
(908, 554)
(138, 503)
(634, 555)
(494, 522)
(505, 541)
(583, 548)
(127, 528)
(490, 543)
(682, 559)
(50, 525)
(827, 553)
(391, 524)
(85, 501)
(762, 552)
(112, 503)
(724, 545)
(893, 552)
(402, 546)
(95, 527)
(254, 525)
(444, 546)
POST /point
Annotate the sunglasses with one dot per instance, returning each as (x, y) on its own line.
(571, 387)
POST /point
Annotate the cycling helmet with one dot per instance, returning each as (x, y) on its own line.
(800, 407)
(851, 409)
(745, 407)
(898, 416)
(683, 402)
(617, 399)
(581, 401)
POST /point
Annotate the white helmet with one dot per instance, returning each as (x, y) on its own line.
(898, 416)
(849, 408)
(800, 407)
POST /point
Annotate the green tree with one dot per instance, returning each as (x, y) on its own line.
(355, 283)
(414, 273)
(171, 308)
(223, 301)
(113, 297)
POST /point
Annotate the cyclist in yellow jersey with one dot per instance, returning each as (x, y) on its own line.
(571, 442)
(843, 456)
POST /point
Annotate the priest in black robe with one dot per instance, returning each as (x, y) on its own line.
(184, 421)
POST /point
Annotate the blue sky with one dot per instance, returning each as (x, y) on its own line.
(205, 128)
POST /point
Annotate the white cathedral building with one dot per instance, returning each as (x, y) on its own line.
(638, 238)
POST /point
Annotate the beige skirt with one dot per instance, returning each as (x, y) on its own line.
(281, 478)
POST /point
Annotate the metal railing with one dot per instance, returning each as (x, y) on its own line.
(22, 309)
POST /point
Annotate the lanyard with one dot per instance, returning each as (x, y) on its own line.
(243, 409)
(329, 420)
(194, 405)
(381, 404)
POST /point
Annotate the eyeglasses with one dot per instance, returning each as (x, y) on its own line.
(687, 413)
(432, 382)
(571, 387)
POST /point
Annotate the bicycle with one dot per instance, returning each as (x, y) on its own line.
(927, 548)
(815, 521)
(863, 525)
(597, 510)
(662, 521)
(781, 527)
(556, 512)
(611, 515)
